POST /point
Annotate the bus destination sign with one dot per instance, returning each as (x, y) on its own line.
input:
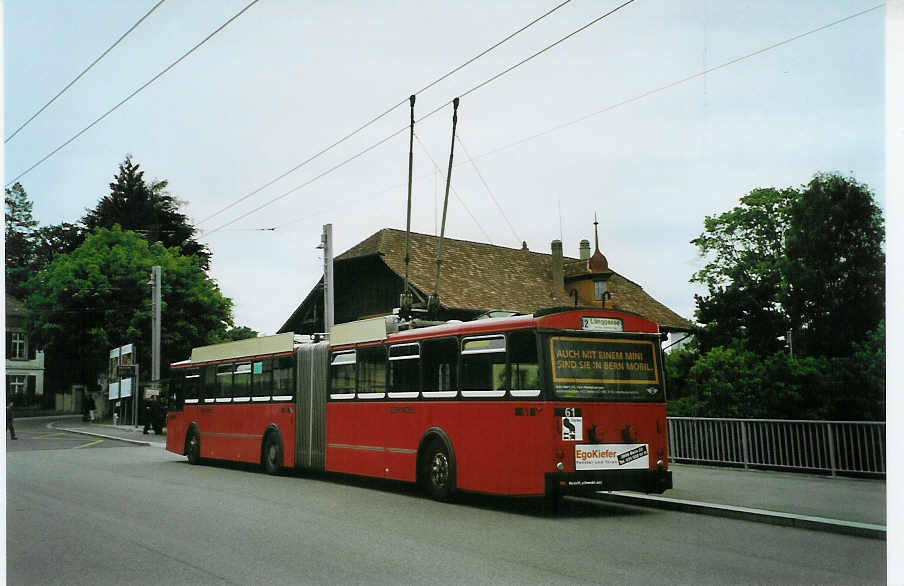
(602, 324)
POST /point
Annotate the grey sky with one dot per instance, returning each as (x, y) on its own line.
(287, 79)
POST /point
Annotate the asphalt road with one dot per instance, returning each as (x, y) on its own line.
(35, 434)
(142, 515)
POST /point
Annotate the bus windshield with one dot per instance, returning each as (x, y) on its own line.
(622, 368)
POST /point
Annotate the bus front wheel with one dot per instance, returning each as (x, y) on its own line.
(438, 471)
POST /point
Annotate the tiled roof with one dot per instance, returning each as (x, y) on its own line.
(482, 276)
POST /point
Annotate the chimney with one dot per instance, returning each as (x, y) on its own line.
(585, 249)
(558, 276)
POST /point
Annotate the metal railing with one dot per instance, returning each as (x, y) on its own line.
(837, 447)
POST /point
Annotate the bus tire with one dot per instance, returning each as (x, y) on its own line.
(193, 446)
(272, 453)
(438, 471)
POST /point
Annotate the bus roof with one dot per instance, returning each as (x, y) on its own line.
(570, 318)
(250, 347)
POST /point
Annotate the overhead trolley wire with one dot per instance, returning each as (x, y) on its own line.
(657, 90)
(308, 182)
(487, 187)
(547, 48)
(79, 76)
(455, 193)
(675, 83)
(425, 116)
(380, 116)
(660, 89)
(133, 94)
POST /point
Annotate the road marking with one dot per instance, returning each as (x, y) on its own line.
(89, 444)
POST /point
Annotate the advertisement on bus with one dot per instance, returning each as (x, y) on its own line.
(605, 369)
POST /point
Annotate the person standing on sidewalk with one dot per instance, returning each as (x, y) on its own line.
(150, 411)
(92, 407)
(9, 420)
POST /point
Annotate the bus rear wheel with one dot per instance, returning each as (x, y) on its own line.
(438, 471)
(272, 454)
(193, 447)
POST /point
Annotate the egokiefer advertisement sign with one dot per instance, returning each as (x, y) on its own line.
(611, 456)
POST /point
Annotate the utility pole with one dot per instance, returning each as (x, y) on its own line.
(326, 242)
(155, 324)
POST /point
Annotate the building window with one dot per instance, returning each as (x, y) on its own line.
(15, 384)
(599, 290)
(15, 345)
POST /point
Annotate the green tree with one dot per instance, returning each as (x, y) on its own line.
(19, 229)
(743, 274)
(49, 241)
(857, 382)
(834, 266)
(732, 382)
(239, 333)
(97, 298)
(808, 260)
(146, 208)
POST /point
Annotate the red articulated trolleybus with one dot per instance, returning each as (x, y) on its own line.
(560, 402)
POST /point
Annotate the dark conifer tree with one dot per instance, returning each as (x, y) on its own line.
(148, 209)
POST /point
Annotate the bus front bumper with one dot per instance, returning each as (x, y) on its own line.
(584, 481)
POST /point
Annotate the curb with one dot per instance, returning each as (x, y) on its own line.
(94, 434)
(748, 514)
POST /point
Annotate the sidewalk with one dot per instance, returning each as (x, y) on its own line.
(108, 430)
(840, 497)
(839, 504)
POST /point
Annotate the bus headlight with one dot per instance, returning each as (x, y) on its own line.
(660, 464)
(560, 467)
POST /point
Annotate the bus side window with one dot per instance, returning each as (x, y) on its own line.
(261, 379)
(284, 378)
(525, 372)
(404, 371)
(191, 386)
(483, 366)
(342, 375)
(440, 361)
(209, 383)
(224, 383)
(241, 382)
(372, 372)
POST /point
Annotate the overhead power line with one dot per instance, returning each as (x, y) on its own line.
(454, 192)
(308, 182)
(133, 94)
(487, 187)
(379, 116)
(425, 116)
(79, 76)
(661, 88)
(675, 83)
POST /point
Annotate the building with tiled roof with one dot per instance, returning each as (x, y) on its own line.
(475, 278)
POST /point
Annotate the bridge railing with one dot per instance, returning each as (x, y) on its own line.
(836, 447)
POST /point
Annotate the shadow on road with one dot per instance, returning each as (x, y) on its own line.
(566, 508)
